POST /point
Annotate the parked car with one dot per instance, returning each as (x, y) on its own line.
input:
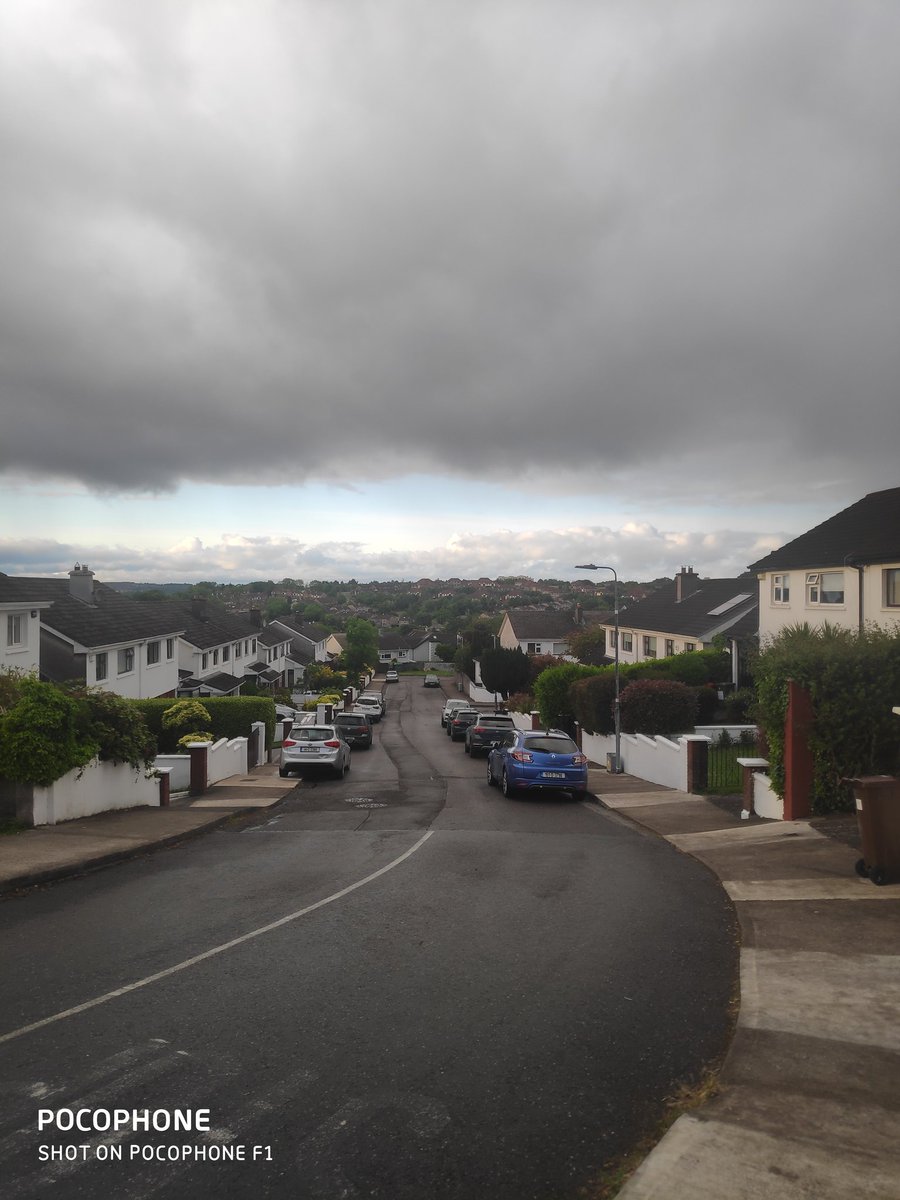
(486, 730)
(391, 676)
(284, 712)
(431, 680)
(537, 758)
(314, 746)
(450, 707)
(460, 721)
(355, 728)
(372, 703)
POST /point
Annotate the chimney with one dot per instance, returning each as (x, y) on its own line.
(198, 607)
(81, 583)
(256, 618)
(686, 583)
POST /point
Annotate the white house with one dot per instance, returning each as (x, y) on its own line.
(844, 572)
(88, 631)
(20, 625)
(416, 646)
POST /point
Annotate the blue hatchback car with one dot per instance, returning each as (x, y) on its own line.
(536, 758)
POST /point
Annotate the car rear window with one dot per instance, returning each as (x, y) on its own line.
(314, 734)
(504, 722)
(551, 745)
(352, 719)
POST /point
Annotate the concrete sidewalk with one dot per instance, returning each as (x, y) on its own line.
(808, 1105)
(53, 852)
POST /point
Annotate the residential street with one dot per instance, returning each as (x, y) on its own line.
(398, 985)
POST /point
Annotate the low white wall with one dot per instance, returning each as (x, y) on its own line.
(766, 801)
(179, 768)
(479, 695)
(226, 758)
(714, 732)
(656, 759)
(101, 787)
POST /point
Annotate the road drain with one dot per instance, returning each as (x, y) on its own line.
(363, 802)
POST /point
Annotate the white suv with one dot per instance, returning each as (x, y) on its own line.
(450, 708)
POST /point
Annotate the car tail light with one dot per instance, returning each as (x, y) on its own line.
(578, 760)
(522, 756)
(288, 742)
(334, 744)
(479, 729)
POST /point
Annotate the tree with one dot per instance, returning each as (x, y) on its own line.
(551, 692)
(589, 646)
(277, 606)
(361, 652)
(505, 671)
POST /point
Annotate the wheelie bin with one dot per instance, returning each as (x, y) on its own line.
(877, 799)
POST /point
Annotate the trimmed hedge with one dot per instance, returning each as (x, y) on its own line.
(231, 716)
(592, 699)
(653, 706)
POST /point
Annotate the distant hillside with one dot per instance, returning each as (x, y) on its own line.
(122, 586)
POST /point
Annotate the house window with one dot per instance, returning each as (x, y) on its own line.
(246, 646)
(237, 650)
(204, 662)
(613, 636)
(781, 589)
(825, 587)
(253, 646)
(101, 666)
(670, 647)
(152, 654)
(534, 648)
(226, 653)
(15, 629)
(891, 584)
(689, 647)
(126, 660)
(627, 641)
(649, 646)
(215, 658)
(170, 649)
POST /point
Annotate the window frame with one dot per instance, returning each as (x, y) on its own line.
(780, 593)
(101, 666)
(649, 645)
(154, 648)
(815, 589)
(890, 583)
(125, 661)
(16, 622)
(627, 643)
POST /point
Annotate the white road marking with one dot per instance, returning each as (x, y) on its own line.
(198, 958)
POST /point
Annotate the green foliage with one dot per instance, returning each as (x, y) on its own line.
(361, 651)
(226, 716)
(653, 706)
(505, 671)
(320, 677)
(589, 646)
(115, 725)
(41, 734)
(522, 702)
(551, 693)
(592, 699)
(854, 681)
(185, 740)
(184, 713)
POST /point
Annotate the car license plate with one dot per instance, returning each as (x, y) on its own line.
(309, 749)
(553, 774)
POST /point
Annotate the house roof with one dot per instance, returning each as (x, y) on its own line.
(221, 682)
(109, 620)
(214, 627)
(529, 624)
(867, 531)
(271, 637)
(392, 640)
(715, 605)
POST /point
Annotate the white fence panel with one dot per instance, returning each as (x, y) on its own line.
(100, 787)
(226, 758)
(656, 759)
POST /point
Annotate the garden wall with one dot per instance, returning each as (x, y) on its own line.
(100, 787)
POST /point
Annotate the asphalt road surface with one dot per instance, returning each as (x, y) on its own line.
(397, 985)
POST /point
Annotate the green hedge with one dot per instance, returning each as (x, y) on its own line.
(231, 716)
(854, 681)
(592, 699)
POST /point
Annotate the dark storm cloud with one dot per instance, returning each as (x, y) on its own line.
(614, 244)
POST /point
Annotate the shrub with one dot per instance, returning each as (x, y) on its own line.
(185, 740)
(184, 713)
(853, 679)
(227, 716)
(119, 730)
(593, 702)
(653, 706)
(551, 693)
(41, 734)
(522, 702)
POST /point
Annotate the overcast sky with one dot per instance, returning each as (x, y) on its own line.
(390, 288)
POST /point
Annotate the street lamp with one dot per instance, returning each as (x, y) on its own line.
(617, 716)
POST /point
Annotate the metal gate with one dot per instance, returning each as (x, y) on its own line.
(723, 774)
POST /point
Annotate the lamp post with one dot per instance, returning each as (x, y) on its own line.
(616, 712)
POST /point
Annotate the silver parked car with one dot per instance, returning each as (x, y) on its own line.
(317, 746)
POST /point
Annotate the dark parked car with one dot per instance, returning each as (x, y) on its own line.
(460, 721)
(537, 758)
(431, 680)
(486, 730)
(355, 728)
